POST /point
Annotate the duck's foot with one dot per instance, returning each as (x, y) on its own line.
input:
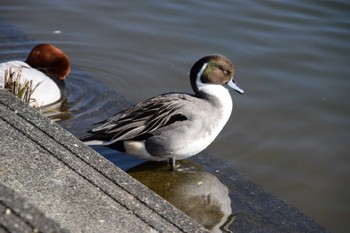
(182, 166)
(172, 163)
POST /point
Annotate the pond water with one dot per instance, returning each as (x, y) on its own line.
(290, 132)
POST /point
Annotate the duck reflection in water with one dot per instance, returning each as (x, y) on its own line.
(196, 192)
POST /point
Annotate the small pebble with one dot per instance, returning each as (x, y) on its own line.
(7, 211)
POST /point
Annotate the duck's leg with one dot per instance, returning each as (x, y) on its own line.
(172, 163)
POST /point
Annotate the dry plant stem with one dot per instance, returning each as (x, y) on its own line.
(23, 91)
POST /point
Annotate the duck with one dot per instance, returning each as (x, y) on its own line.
(173, 126)
(47, 67)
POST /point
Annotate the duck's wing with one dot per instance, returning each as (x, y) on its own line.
(139, 121)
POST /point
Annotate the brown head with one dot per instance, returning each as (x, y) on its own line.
(50, 60)
(213, 70)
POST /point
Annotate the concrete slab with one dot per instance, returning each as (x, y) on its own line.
(71, 183)
(17, 215)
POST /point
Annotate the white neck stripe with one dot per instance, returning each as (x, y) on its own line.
(199, 75)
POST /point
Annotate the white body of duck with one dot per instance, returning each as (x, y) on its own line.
(47, 91)
(44, 64)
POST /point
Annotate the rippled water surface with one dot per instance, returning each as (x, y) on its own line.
(289, 132)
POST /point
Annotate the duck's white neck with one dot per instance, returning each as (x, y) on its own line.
(217, 93)
(220, 96)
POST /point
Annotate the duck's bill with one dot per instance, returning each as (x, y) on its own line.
(234, 86)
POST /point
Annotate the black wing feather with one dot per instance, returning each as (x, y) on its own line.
(141, 119)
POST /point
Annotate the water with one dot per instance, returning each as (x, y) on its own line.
(289, 132)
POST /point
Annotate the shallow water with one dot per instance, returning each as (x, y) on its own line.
(291, 129)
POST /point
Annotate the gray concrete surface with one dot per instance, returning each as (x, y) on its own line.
(17, 215)
(72, 184)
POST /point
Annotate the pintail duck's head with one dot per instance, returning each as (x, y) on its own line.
(50, 60)
(213, 70)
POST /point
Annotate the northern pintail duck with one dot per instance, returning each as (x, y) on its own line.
(174, 126)
(45, 64)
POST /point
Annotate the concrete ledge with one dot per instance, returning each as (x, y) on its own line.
(72, 184)
(16, 215)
